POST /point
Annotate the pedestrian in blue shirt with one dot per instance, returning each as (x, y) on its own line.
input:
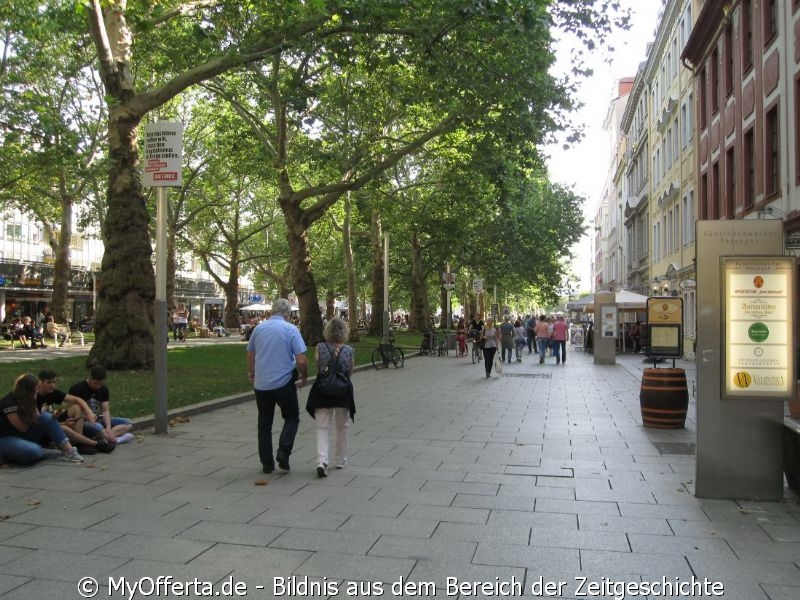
(277, 366)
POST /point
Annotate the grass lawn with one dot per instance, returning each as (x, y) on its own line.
(195, 374)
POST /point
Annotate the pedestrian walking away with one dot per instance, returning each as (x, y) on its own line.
(490, 336)
(506, 339)
(542, 332)
(520, 338)
(560, 336)
(332, 355)
(277, 366)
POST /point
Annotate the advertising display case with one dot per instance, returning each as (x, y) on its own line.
(758, 321)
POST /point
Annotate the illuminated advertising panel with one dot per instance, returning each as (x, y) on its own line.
(758, 324)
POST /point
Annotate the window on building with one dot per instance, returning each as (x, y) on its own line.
(797, 125)
(645, 235)
(76, 242)
(772, 153)
(749, 149)
(670, 234)
(656, 242)
(714, 195)
(664, 236)
(728, 51)
(701, 82)
(747, 35)
(715, 81)
(676, 150)
(686, 120)
(770, 20)
(13, 231)
(730, 183)
(688, 217)
(703, 196)
(676, 227)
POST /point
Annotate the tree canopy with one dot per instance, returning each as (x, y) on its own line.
(429, 112)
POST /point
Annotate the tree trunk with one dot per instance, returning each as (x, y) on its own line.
(303, 279)
(352, 292)
(62, 267)
(232, 293)
(420, 311)
(330, 305)
(376, 320)
(124, 320)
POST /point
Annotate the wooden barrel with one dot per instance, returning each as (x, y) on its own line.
(664, 398)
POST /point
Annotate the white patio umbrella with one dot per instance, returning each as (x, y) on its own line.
(624, 300)
(257, 307)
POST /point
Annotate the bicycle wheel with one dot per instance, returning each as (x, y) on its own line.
(398, 359)
(377, 359)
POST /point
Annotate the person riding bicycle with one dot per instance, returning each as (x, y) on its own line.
(475, 328)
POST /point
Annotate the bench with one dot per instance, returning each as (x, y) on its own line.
(62, 330)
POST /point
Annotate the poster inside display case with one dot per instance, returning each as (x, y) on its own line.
(758, 325)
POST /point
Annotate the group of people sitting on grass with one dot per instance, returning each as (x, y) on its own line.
(36, 415)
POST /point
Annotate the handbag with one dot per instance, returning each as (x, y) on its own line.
(498, 365)
(331, 381)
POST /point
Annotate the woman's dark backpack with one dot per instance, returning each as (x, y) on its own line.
(332, 381)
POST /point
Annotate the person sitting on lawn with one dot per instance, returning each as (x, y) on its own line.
(77, 420)
(96, 394)
(24, 431)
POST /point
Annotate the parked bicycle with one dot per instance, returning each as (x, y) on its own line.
(429, 343)
(387, 353)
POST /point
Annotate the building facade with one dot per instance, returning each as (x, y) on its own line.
(745, 59)
(27, 267)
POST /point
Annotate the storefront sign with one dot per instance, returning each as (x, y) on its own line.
(665, 310)
(758, 324)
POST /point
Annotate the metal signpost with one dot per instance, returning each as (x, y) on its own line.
(163, 156)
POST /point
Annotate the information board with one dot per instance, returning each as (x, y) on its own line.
(665, 326)
(758, 304)
(163, 154)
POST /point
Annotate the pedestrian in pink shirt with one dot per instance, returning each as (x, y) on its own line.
(560, 335)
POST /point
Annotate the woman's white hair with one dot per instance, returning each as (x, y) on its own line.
(282, 307)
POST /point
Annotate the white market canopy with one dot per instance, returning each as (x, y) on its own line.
(257, 307)
(624, 300)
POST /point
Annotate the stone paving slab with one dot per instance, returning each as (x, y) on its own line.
(451, 475)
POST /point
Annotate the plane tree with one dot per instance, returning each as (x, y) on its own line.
(51, 113)
(457, 60)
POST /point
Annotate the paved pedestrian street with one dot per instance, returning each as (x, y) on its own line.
(541, 482)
